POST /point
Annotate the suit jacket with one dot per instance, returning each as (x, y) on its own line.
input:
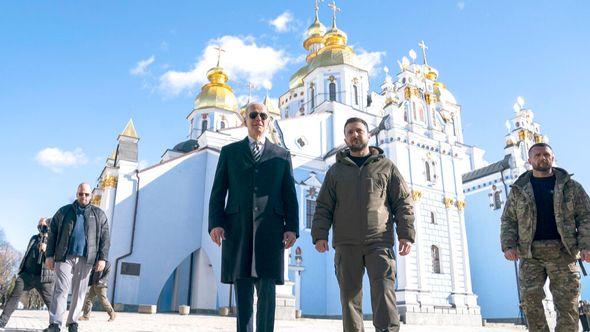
(261, 206)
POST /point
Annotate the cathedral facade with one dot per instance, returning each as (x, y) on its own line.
(161, 251)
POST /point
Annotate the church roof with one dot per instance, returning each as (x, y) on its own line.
(129, 130)
(494, 168)
(186, 146)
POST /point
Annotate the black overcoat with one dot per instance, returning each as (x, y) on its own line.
(261, 206)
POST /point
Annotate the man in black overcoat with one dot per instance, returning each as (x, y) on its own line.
(259, 221)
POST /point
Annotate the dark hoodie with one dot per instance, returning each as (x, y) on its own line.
(362, 203)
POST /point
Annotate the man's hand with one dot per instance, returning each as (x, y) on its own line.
(512, 255)
(49, 263)
(42, 247)
(321, 245)
(585, 256)
(405, 247)
(100, 265)
(217, 234)
(289, 239)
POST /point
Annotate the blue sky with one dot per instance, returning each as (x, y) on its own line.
(72, 74)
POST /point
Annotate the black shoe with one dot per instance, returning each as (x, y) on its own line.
(52, 328)
(2, 324)
(73, 327)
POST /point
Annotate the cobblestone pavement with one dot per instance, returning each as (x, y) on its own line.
(28, 321)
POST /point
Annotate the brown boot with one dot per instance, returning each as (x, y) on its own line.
(112, 316)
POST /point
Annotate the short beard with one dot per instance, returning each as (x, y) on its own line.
(542, 168)
(358, 147)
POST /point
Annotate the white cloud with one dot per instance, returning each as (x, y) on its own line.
(461, 5)
(281, 22)
(56, 159)
(243, 60)
(142, 66)
(369, 60)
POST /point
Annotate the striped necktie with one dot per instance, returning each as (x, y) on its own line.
(256, 151)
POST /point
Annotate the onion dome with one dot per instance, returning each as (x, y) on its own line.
(217, 93)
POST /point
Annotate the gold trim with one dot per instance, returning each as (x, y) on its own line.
(448, 202)
(461, 205)
(416, 195)
(109, 181)
(96, 200)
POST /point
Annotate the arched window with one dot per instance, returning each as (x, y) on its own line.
(497, 200)
(427, 170)
(435, 259)
(222, 125)
(432, 218)
(356, 94)
(309, 212)
(332, 89)
(204, 125)
(312, 94)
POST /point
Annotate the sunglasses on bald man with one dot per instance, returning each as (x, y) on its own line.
(253, 115)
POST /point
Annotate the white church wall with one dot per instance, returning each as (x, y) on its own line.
(178, 216)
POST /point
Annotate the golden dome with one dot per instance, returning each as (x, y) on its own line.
(335, 56)
(335, 38)
(217, 93)
(430, 73)
(297, 78)
(315, 34)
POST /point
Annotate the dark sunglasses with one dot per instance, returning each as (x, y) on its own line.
(83, 194)
(253, 115)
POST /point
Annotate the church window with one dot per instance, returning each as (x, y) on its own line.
(435, 259)
(332, 89)
(204, 125)
(432, 218)
(310, 205)
(428, 171)
(312, 93)
(406, 115)
(497, 200)
(222, 125)
(356, 94)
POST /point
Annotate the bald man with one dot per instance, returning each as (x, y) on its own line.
(78, 242)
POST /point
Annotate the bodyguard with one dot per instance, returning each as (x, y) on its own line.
(259, 220)
(98, 283)
(546, 224)
(362, 196)
(31, 273)
(78, 240)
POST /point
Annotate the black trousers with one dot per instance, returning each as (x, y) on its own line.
(24, 283)
(265, 308)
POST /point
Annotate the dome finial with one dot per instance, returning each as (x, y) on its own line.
(334, 10)
(317, 9)
(219, 50)
(424, 48)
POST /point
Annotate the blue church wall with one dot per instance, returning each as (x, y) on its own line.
(493, 277)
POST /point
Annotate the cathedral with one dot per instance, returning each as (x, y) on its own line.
(161, 251)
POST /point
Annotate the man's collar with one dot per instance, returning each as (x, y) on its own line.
(261, 141)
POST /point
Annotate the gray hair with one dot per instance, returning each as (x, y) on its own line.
(255, 105)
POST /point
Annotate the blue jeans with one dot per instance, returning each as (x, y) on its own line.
(265, 308)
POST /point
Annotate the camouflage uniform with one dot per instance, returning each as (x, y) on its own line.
(555, 259)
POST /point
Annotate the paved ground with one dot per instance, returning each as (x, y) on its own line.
(28, 321)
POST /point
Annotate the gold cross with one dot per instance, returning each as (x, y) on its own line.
(219, 50)
(334, 10)
(424, 48)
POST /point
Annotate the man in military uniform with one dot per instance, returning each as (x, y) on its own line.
(546, 224)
